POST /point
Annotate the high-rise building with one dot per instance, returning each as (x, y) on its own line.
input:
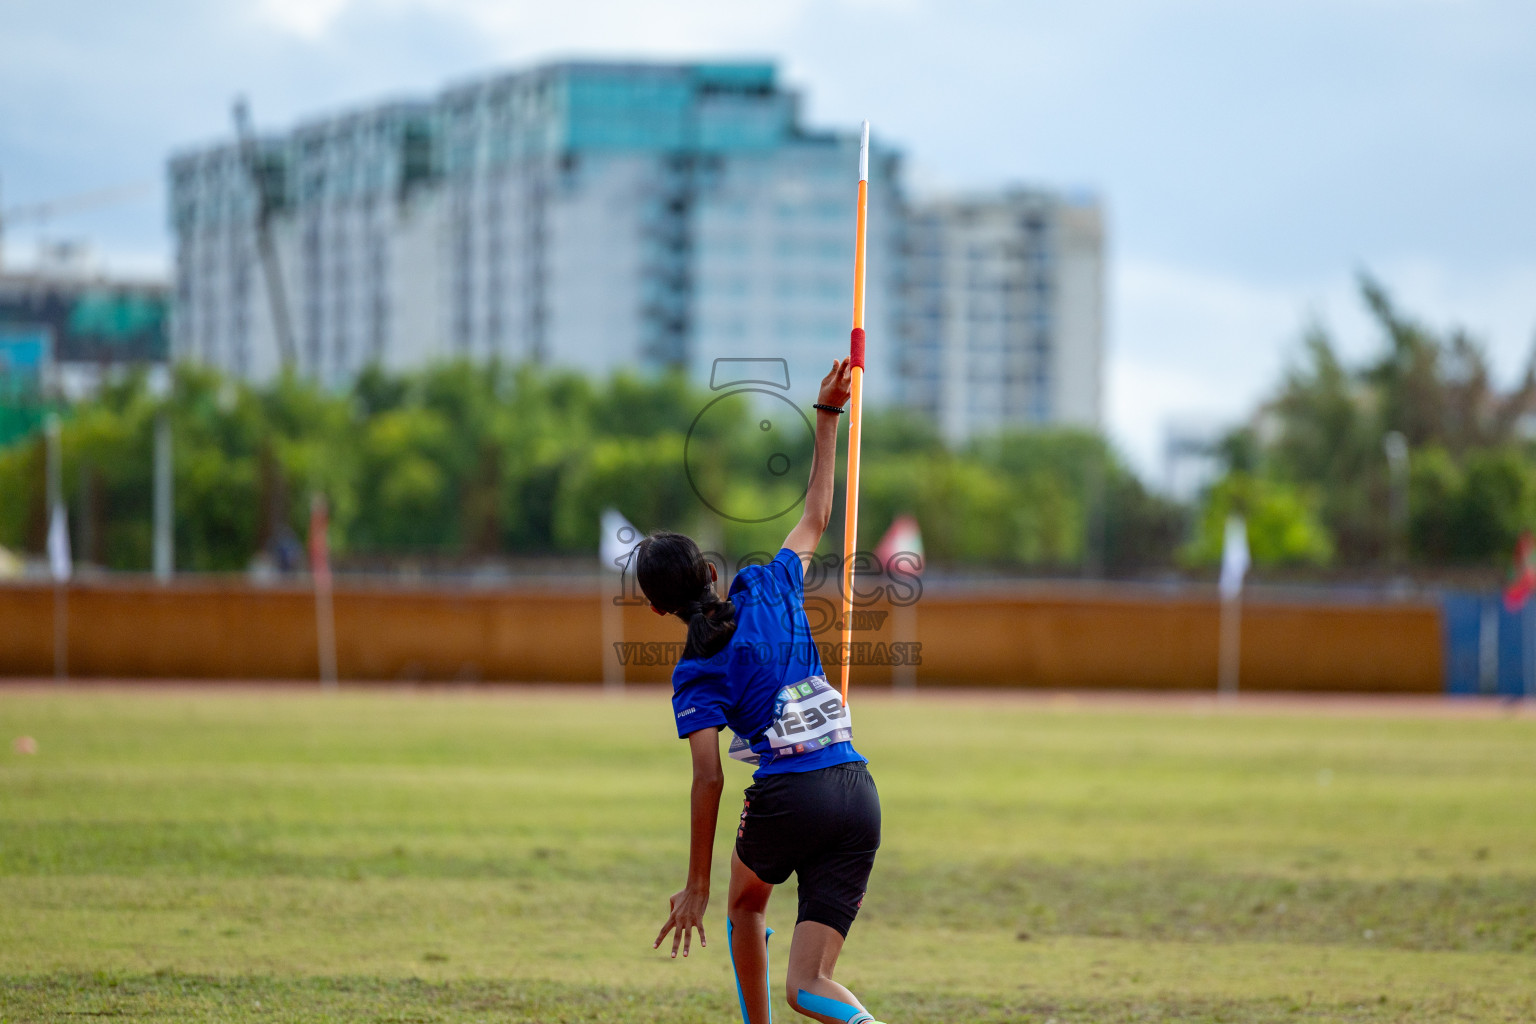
(62, 333)
(607, 215)
(1003, 312)
(596, 215)
(353, 222)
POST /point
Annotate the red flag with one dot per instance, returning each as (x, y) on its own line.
(904, 539)
(319, 544)
(1524, 583)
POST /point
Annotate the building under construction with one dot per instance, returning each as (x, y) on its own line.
(606, 215)
(592, 215)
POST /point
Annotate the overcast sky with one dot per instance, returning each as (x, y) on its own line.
(1252, 155)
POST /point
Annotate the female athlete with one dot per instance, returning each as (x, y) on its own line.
(750, 663)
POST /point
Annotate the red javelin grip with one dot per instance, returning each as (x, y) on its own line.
(856, 348)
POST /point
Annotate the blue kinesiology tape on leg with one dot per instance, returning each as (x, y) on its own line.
(730, 947)
(834, 1008)
(741, 1000)
(768, 973)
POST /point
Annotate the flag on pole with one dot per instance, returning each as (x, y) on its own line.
(59, 561)
(320, 574)
(855, 408)
(902, 538)
(619, 540)
(319, 543)
(1523, 584)
(616, 545)
(900, 552)
(1234, 557)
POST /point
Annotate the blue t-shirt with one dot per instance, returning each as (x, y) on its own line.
(766, 683)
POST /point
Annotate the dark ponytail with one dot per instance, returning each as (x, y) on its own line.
(674, 577)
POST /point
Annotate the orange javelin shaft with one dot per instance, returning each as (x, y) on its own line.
(855, 411)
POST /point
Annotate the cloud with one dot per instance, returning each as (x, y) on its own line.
(654, 27)
(1189, 346)
(1205, 347)
(308, 20)
(1253, 156)
(521, 28)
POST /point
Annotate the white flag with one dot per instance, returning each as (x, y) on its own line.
(1234, 557)
(58, 544)
(619, 539)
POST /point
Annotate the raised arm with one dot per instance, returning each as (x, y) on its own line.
(806, 535)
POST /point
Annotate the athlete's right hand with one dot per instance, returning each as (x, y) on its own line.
(837, 385)
(687, 914)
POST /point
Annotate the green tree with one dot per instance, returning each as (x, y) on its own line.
(463, 460)
(1494, 505)
(1323, 435)
(644, 477)
(1283, 525)
(1435, 485)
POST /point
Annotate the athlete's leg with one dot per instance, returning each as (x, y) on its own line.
(832, 888)
(748, 940)
(809, 987)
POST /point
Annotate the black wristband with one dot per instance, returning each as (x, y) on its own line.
(828, 408)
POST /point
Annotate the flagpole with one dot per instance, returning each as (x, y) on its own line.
(1517, 598)
(1234, 566)
(903, 671)
(1230, 656)
(1529, 666)
(616, 543)
(163, 515)
(320, 575)
(900, 555)
(855, 410)
(58, 546)
(613, 635)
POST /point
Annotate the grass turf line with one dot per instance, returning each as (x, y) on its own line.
(463, 858)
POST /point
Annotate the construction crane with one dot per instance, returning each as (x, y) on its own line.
(266, 205)
(42, 212)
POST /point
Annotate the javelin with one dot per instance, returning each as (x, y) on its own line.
(855, 409)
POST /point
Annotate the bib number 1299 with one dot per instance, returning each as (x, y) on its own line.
(809, 715)
(809, 720)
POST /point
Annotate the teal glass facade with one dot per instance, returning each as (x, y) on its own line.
(596, 214)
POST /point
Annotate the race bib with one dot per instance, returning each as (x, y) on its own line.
(807, 716)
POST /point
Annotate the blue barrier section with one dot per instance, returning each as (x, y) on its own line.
(1461, 618)
(1489, 650)
(1514, 650)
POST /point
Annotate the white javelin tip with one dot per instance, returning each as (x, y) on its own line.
(864, 153)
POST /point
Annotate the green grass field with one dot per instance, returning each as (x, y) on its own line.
(389, 856)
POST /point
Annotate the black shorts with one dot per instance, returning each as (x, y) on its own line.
(824, 826)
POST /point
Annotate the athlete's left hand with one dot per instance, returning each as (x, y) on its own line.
(687, 914)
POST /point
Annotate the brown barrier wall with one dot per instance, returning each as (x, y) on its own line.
(1029, 636)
